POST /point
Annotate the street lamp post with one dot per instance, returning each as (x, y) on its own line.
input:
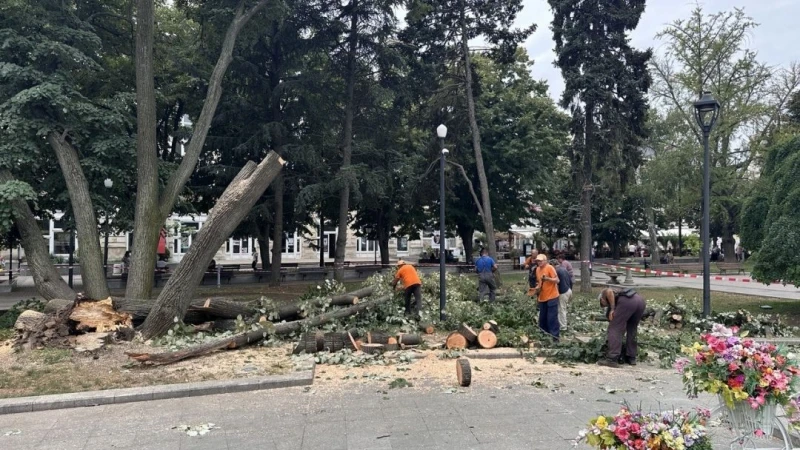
(108, 184)
(441, 131)
(706, 112)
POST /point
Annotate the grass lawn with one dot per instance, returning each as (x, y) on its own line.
(720, 301)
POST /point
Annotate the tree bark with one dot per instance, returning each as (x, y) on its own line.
(263, 248)
(651, 228)
(586, 187)
(92, 269)
(147, 224)
(252, 337)
(347, 146)
(232, 207)
(48, 282)
(728, 243)
(488, 223)
(151, 210)
(277, 233)
(465, 232)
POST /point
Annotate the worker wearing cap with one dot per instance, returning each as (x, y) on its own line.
(547, 282)
(412, 284)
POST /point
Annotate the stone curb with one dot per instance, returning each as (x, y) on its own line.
(146, 393)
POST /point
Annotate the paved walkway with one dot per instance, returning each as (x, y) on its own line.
(352, 416)
(733, 287)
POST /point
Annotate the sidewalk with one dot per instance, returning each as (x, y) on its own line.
(733, 287)
(331, 415)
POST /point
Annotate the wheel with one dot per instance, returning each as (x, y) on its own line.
(723, 435)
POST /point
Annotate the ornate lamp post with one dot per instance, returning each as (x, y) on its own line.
(108, 183)
(706, 113)
(441, 131)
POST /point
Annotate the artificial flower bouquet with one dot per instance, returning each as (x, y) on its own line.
(738, 369)
(635, 430)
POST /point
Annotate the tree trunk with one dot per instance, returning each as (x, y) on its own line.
(465, 232)
(651, 228)
(253, 336)
(586, 187)
(277, 233)
(488, 223)
(92, 268)
(232, 207)
(728, 243)
(48, 282)
(347, 147)
(147, 223)
(263, 248)
(383, 242)
(151, 210)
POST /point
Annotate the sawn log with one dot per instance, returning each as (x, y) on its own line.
(252, 337)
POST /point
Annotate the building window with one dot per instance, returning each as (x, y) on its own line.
(238, 246)
(365, 245)
(61, 243)
(402, 244)
(290, 244)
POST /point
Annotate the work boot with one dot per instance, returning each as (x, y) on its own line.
(608, 363)
(630, 361)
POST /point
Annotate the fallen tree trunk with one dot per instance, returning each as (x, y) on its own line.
(234, 204)
(252, 337)
(216, 307)
(291, 312)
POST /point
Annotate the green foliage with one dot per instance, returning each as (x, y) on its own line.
(10, 191)
(8, 319)
(770, 228)
(399, 383)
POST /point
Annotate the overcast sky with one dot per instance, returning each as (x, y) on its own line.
(777, 39)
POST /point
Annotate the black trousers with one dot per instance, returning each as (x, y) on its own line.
(627, 315)
(416, 290)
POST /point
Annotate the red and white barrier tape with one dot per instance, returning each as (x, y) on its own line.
(676, 274)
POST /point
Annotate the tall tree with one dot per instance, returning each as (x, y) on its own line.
(153, 203)
(443, 29)
(710, 53)
(605, 85)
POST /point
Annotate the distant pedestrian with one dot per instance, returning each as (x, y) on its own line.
(624, 310)
(739, 253)
(255, 259)
(407, 274)
(486, 267)
(547, 282)
(632, 250)
(161, 265)
(126, 262)
(564, 293)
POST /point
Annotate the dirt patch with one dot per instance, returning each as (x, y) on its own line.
(55, 371)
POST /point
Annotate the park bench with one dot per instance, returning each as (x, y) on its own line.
(266, 274)
(157, 276)
(734, 266)
(211, 275)
(693, 268)
(367, 269)
(465, 268)
(304, 272)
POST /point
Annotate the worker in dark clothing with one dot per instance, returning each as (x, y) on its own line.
(485, 266)
(624, 310)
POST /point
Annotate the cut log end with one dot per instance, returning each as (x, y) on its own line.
(427, 328)
(487, 339)
(463, 372)
(455, 340)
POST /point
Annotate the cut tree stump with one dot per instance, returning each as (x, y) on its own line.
(334, 342)
(487, 339)
(377, 337)
(252, 337)
(408, 339)
(455, 340)
(463, 372)
(99, 316)
(372, 349)
(427, 328)
(469, 334)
